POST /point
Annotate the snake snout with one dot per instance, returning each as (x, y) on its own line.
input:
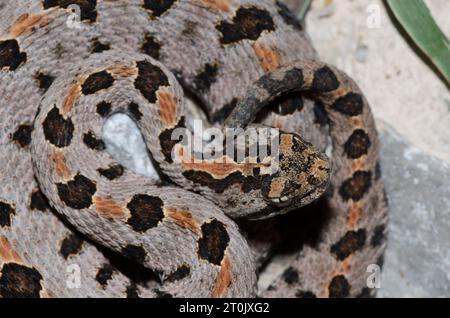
(302, 177)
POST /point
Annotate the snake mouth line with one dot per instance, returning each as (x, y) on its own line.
(285, 207)
(306, 199)
(310, 196)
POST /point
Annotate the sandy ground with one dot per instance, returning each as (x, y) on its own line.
(402, 89)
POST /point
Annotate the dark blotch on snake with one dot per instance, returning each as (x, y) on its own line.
(190, 30)
(339, 287)
(71, 245)
(103, 108)
(44, 80)
(380, 261)
(377, 171)
(351, 242)
(357, 145)
(135, 253)
(290, 276)
(324, 80)
(357, 186)
(6, 212)
(151, 47)
(305, 294)
(350, 104)
(113, 172)
(166, 141)
(57, 130)
(204, 79)
(92, 142)
(104, 274)
(220, 185)
(162, 294)
(214, 241)
(96, 82)
(146, 212)
(38, 201)
(157, 7)
(180, 273)
(149, 80)
(248, 23)
(292, 78)
(288, 104)
(77, 193)
(288, 17)
(222, 114)
(22, 136)
(18, 281)
(87, 7)
(320, 114)
(378, 235)
(132, 291)
(10, 55)
(98, 47)
(365, 293)
(272, 288)
(133, 109)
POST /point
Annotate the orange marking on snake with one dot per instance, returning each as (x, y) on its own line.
(7, 253)
(219, 168)
(167, 107)
(308, 78)
(343, 269)
(346, 265)
(341, 91)
(222, 168)
(223, 279)
(286, 143)
(183, 219)
(108, 208)
(357, 123)
(28, 23)
(358, 164)
(182, 155)
(268, 57)
(73, 95)
(276, 188)
(353, 216)
(123, 71)
(218, 5)
(59, 161)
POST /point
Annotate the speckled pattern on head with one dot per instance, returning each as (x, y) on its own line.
(68, 208)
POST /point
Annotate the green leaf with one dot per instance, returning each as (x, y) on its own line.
(415, 18)
(304, 9)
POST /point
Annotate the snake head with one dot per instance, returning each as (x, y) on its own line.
(302, 175)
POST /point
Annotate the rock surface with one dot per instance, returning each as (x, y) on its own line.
(417, 262)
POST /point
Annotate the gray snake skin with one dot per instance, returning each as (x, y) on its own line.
(67, 207)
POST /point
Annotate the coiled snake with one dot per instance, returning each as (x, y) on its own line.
(60, 81)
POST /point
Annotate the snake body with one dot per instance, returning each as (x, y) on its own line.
(59, 83)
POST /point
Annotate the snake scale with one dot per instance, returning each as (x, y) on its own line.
(65, 201)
